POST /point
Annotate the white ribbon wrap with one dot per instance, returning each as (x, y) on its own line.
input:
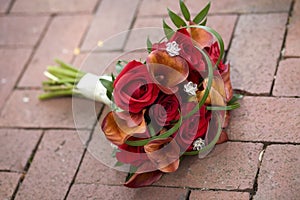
(90, 87)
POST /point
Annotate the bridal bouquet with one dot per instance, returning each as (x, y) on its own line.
(173, 103)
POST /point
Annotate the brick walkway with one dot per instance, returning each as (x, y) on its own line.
(41, 155)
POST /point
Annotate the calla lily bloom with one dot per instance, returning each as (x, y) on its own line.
(117, 130)
(164, 154)
(201, 37)
(167, 71)
(217, 94)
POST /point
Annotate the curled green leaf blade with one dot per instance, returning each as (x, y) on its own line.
(178, 21)
(185, 11)
(202, 14)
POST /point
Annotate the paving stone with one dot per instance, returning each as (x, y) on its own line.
(16, 147)
(53, 166)
(216, 195)
(10, 69)
(94, 191)
(224, 25)
(54, 6)
(111, 20)
(24, 109)
(231, 165)
(96, 62)
(240, 6)
(293, 47)
(266, 119)
(93, 171)
(255, 50)
(8, 183)
(157, 7)
(279, 176)
(62, 37)
(21, 30)
(4, 4)
(287, 79)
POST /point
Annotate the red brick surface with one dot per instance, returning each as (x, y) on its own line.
(24, 109)
(8, 183)
(279, 176)
(4, 4)
(266, 119)
(94, 191)
(241, 6)
(261, 41)
(120, 18)
(216, 195)
(19, 30)
(10, 69)
(253, 59)
(53, 167)
(219, 169)
(63, 36)
(16, 147)
(287, 81)
(54, 6)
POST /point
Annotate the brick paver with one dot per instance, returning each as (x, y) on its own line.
(261, 41)
(10, 69)
(16, 147)
(53, 167)
(23, 109)
(63, 36)
(253, 59)
(216, 195)
(241, 6)
(292, 40)
(54, 6)
(218, 170)
(287, 81)
(120, 18)
(19, 30)
(266, 119)
(279, 176)
(94, 191)
(8, 183)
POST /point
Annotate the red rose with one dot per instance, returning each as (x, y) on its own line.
(166, 110)
(133, 88)
(192, 127)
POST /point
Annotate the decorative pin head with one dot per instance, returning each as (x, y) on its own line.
(198, 144)
(190, 88)
(173, 48)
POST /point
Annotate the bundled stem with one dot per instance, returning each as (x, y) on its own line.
(62, 82)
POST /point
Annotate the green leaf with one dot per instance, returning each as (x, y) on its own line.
(178, 21)
(202, 14)
(118, 164)
(229, 107)
(119, 67)
(185, 11)
(204, 22)
(168, 30)
(109, 87)
(149, 45)
(235, 98)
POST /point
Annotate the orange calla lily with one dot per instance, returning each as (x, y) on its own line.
(166, 70)
(164, 154)
(227, 83)
(201, 37)
(117, 130)
(217, 94)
